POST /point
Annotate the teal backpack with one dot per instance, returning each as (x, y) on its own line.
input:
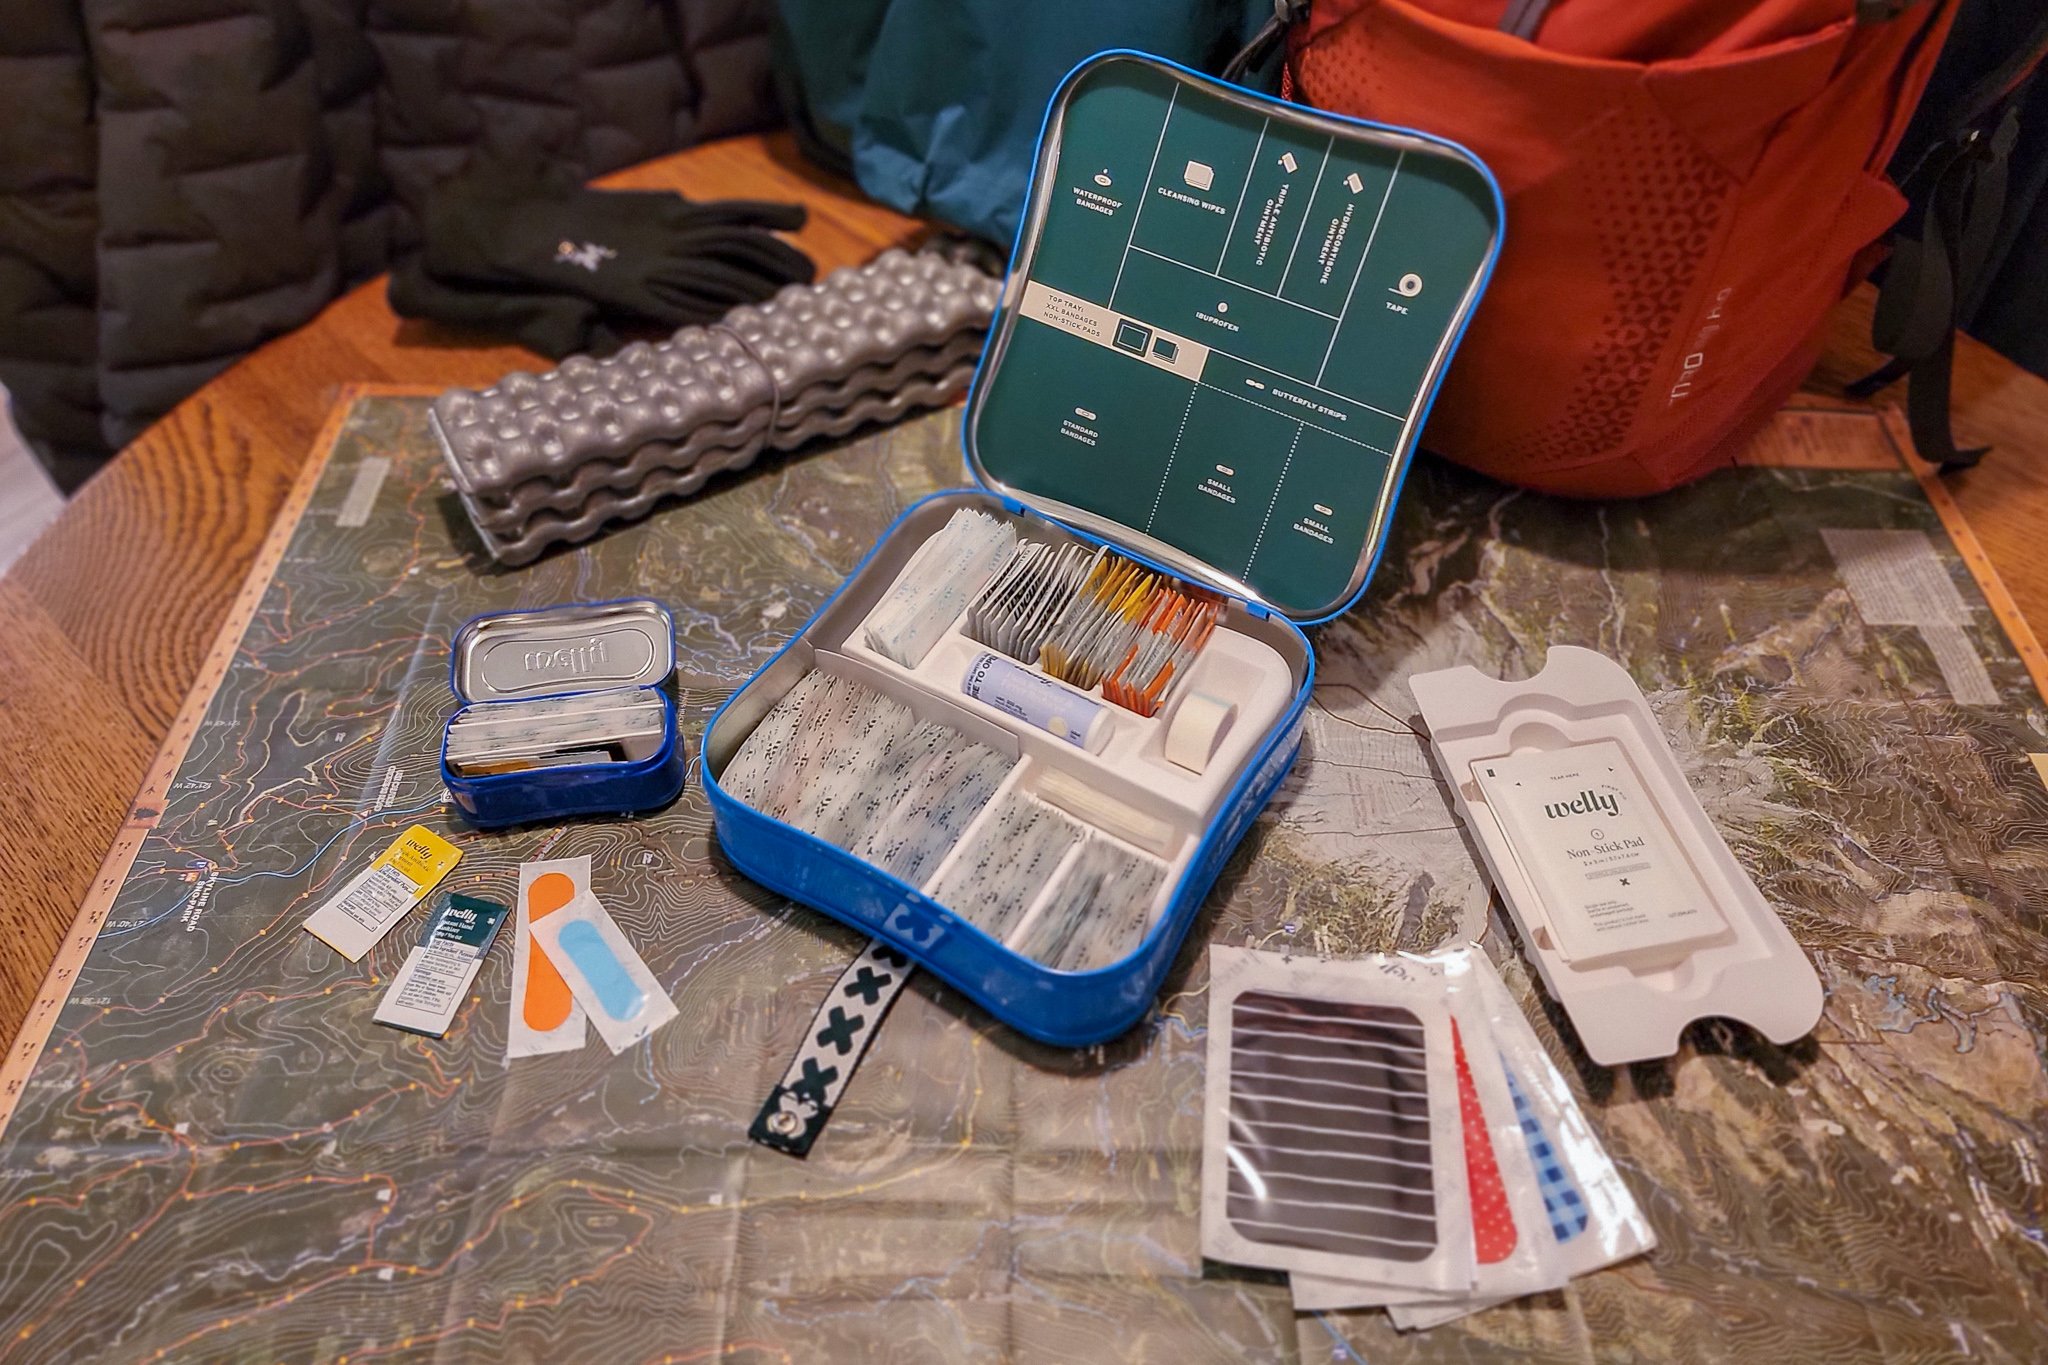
(934, 105)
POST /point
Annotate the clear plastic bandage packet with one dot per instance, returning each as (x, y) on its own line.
(931, 805)
(945, 574)
(1098, 912)
(1013, 854)
(858, 770)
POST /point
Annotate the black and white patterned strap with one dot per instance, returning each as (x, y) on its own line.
(798, 1108)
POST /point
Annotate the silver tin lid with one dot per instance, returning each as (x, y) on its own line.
(574, 648)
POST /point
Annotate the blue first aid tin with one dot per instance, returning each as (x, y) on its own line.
(1224, 323)
(624, 647)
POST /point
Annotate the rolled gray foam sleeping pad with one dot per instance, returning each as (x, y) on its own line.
(552, 458)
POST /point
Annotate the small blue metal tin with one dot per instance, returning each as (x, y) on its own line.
(563, 651)
(1226, 319)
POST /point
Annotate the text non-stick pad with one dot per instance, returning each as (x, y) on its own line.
(1332, 1139)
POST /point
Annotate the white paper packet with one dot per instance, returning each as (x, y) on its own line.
(539, 1003)
(619, 995)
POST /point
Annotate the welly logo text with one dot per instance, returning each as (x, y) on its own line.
(573, 660)
(1587, 802)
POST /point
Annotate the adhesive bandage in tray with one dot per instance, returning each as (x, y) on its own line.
(1638, 917)
(1021, 741)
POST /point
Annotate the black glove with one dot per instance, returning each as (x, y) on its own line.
(554, 325)
(640, 256)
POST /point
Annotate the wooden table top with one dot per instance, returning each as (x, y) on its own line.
(105, 621)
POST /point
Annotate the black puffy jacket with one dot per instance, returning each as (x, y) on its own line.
(182, 179)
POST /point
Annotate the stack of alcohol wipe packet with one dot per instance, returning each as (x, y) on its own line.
(1389, 1131)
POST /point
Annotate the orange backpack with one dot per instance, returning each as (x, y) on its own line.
(1691, 186)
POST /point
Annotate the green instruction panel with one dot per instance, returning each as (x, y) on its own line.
(1231, 313)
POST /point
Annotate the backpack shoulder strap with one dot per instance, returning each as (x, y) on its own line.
(1942, 259)
(1253, 54)
(1523, 18)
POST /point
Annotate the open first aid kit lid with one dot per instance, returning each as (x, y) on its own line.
(1224, 323)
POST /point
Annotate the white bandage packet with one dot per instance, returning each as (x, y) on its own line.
(1614, 884)
(437, 974)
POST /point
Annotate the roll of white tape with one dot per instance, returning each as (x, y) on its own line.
(1198, 729)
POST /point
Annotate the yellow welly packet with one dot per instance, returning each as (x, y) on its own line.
(375, 899)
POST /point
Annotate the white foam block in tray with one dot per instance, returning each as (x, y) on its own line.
(1632, 1007)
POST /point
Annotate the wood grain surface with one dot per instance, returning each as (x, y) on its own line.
(105, 621)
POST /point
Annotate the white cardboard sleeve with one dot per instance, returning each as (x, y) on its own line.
(1624, 1011)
